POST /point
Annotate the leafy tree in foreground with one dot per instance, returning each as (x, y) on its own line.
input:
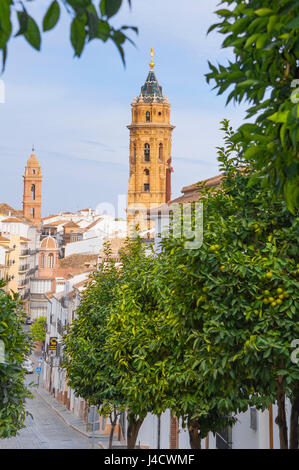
(91, 372)
(265, 73)
(89, 20)
(150, 344)
(137, 337)
(38, 329)
(15, 344)
(208, 332)
(237, 296)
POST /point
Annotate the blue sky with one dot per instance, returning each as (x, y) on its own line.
(75, 112)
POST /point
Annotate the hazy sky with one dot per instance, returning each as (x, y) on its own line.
(75, 112)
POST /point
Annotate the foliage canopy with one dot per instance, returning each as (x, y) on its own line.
(16, 344)
(265, 73)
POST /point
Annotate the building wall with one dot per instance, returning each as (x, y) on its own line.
(157, 131)
(88, 246)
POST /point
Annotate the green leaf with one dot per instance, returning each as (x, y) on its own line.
(31, 31)
(110, 7)
(264, 11)
(23, 22)
(251, 40)
(261, 41)
(78, 36)
(52, 16)
(5, 23)
(93, 24)
(294, 24)
(280, 116)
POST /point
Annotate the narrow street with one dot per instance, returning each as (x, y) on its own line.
(45, 431)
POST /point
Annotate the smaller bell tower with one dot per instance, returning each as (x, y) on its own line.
(32, 199)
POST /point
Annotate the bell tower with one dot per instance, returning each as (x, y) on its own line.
(32, 199)
(150, 153)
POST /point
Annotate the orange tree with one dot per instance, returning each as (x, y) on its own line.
(38, 329)
(91, 372)
(264, 72)
(208, 332)
(15, 346)
(135, 335)
(149, 341)
(236, 298)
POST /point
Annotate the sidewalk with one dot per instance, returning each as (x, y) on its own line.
(101, 440)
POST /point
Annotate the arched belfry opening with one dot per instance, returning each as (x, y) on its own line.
(33, 192)
(147, 152)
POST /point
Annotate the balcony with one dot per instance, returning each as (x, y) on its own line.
(24, 253)
(25, 295)
(32, 270)
(23, 268)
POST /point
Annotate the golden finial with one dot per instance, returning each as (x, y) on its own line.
(152, 65)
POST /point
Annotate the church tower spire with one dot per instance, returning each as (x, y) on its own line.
(32, 198)
(150, 152)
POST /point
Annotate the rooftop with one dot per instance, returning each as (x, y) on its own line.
(14, 220)
(49, 243)
(32, 160)
(151, 90)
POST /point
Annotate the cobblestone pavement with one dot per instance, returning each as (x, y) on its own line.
(45, 431)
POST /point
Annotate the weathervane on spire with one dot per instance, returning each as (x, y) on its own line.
(152, 65)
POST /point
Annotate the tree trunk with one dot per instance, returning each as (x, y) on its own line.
(194, 434)
(281, 420)
(294, 431)
(134, 425)
(113, 424)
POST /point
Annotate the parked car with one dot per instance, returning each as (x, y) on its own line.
(28, 321)
(28, 366)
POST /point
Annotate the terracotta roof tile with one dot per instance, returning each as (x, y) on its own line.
(93, 223)
(55, 224)
(71, 223)
(13, 219)
(49, 217)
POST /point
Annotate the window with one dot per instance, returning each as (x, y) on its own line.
(50, 260)
(134, 152)
(224, 438)
(146, 187)
(42, 261)
(161, 152)
(33, 172)
(148, 116)
(32, 212)
(146, 172)
(253, 419)
(147, 152)
(33, 192)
